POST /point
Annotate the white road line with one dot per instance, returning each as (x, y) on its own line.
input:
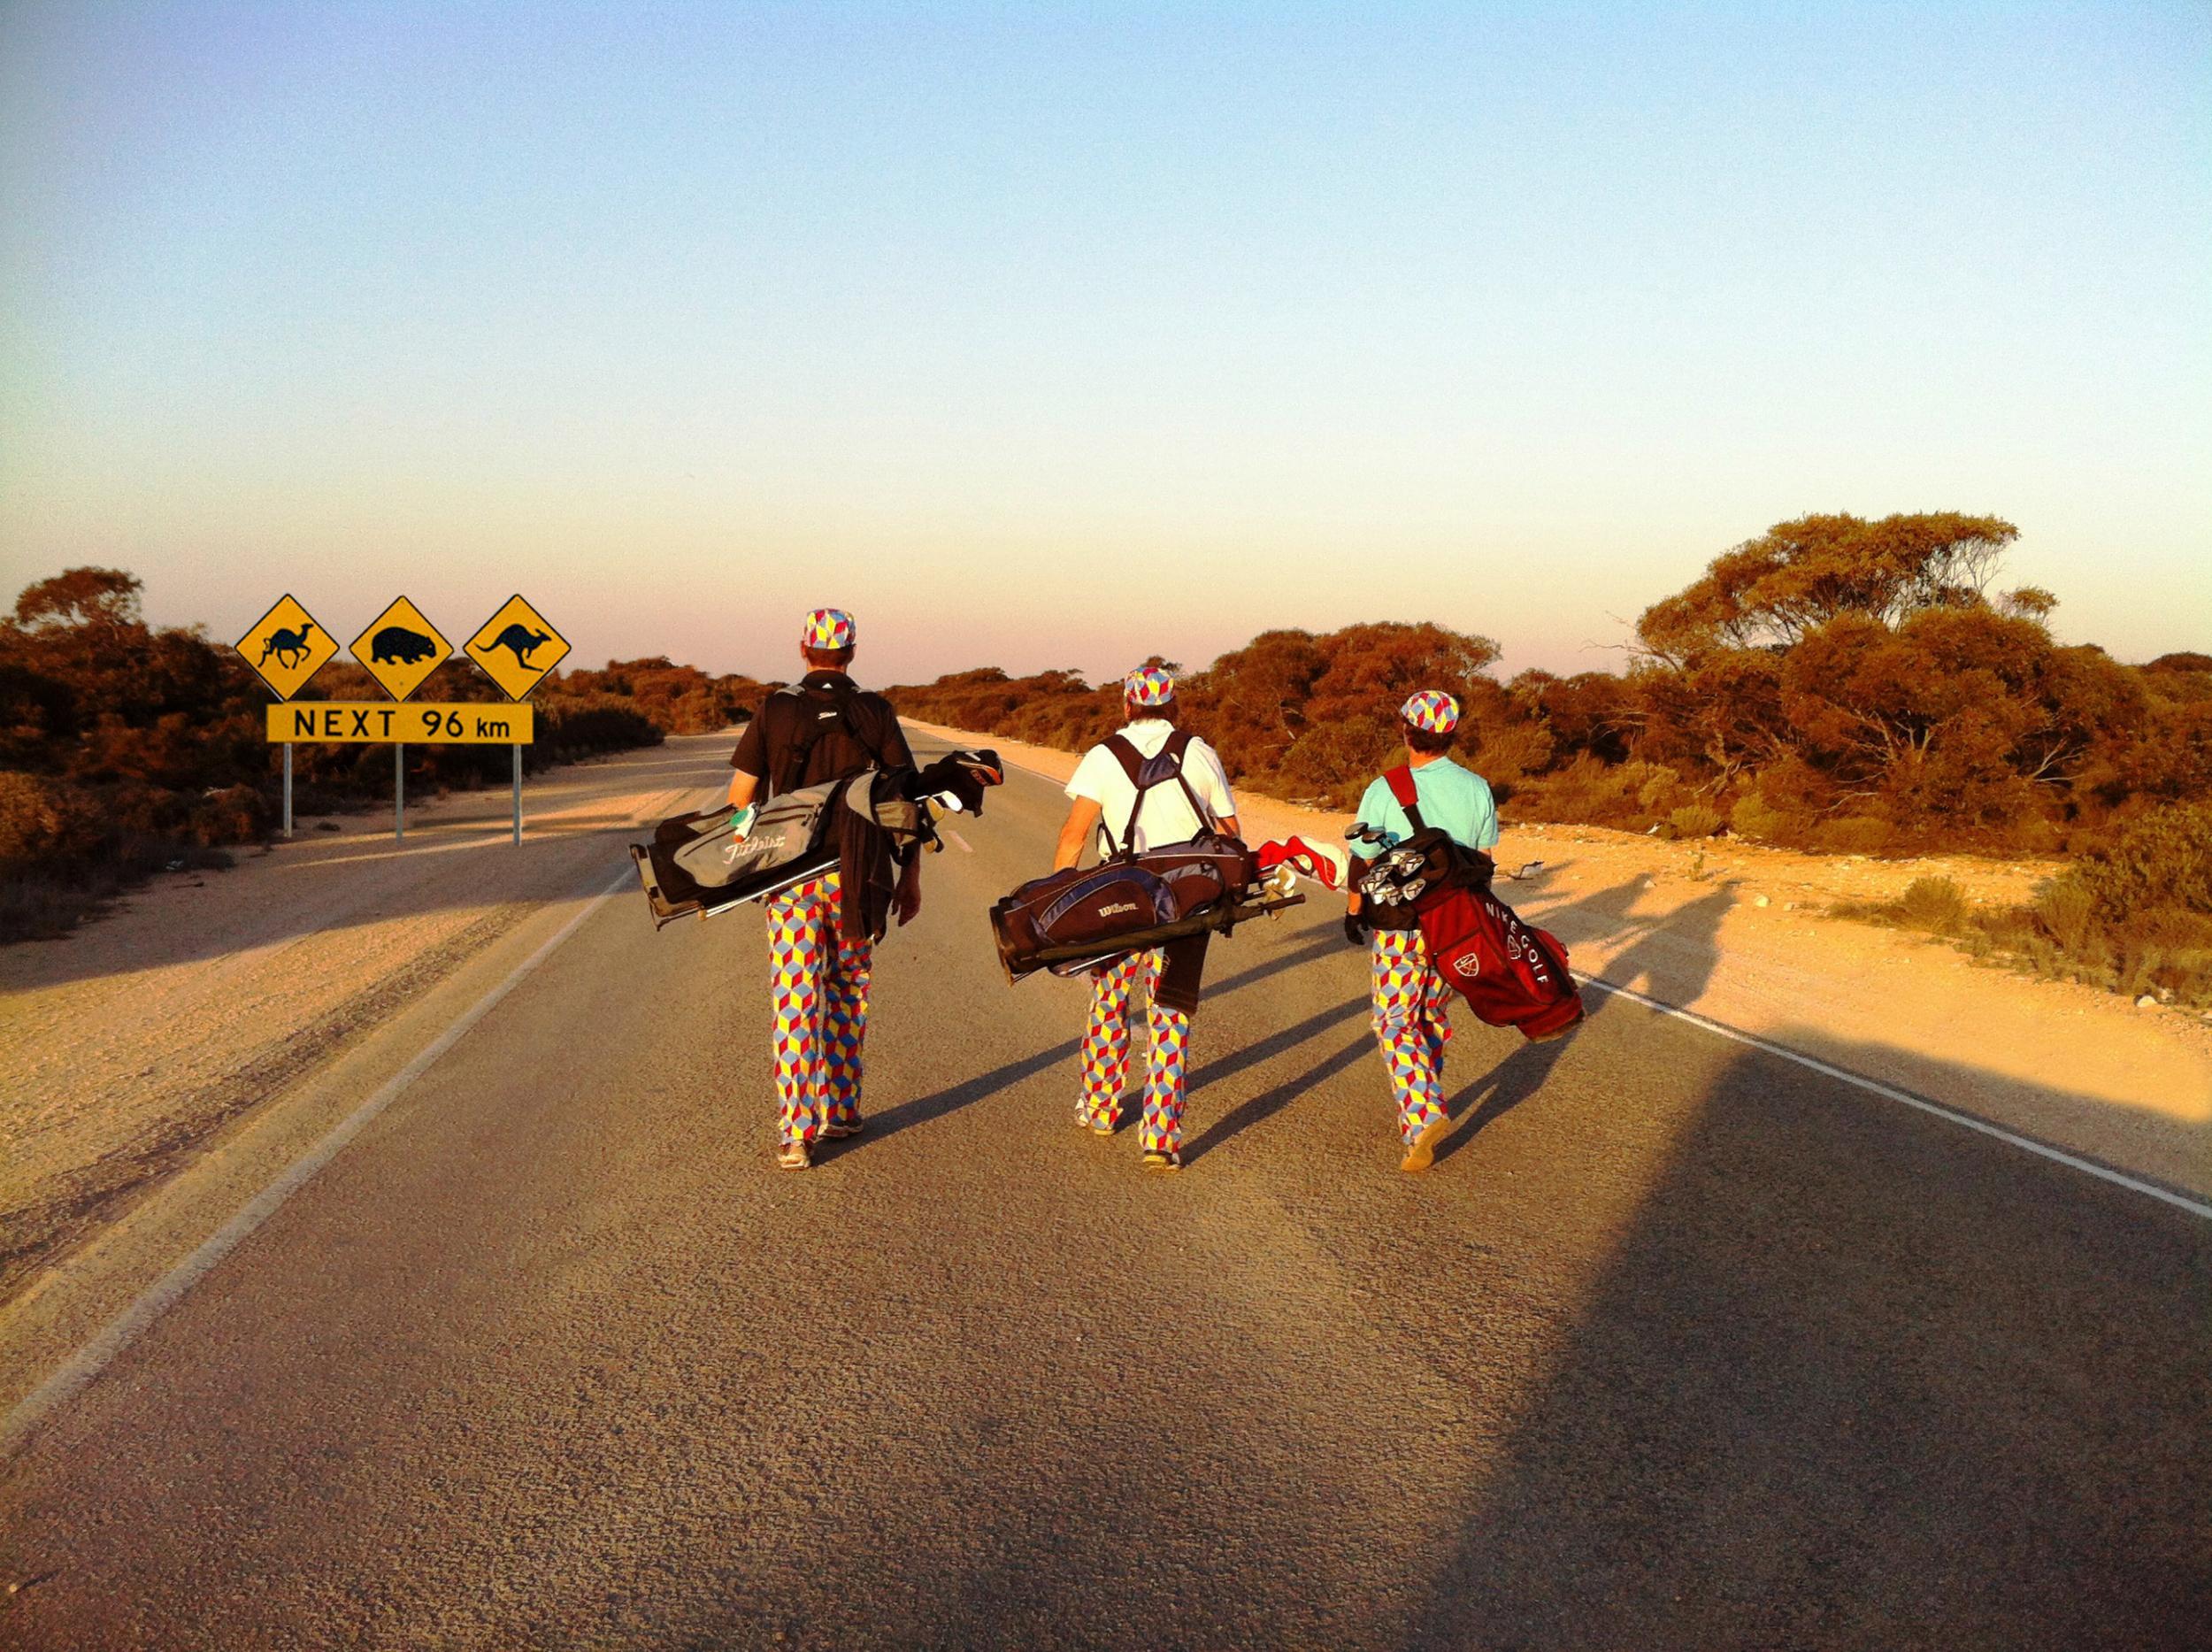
(2073, 1161)
(95, 1356)
(956, 838)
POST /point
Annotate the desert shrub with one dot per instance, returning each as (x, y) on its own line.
(1937, 905)
(2133, 920)
(1656, 786)
(1853, 835)
(1506, 755)
(1752, 817)
(1588, 791)
(2163, 858)
(233, 814)
(36, 817)
(1329, 764)
(1696, 820)
(580, 724)
(2067, 912)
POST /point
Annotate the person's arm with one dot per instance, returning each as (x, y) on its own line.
(743, 788)
(1486, 816)
(1081, 822)
(1369, 808)
(894, 751)
(906, 901)
(1213, 785)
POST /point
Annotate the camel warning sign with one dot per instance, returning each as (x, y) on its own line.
(517, 648)
(286, 647)
(401, 647)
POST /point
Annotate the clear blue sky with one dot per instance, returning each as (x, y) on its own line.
(1060, 338)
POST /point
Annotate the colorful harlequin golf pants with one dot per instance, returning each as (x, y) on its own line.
(1412, 1020)
(1106, 1052)
(818, 988)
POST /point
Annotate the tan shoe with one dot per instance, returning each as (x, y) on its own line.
(795, 1156)
(840, 1130)
(1422, 1153)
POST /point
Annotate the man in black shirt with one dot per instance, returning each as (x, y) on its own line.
(823, 728)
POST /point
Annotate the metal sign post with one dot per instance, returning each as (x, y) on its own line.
(401, 647)
(288, 788)
(518, 649)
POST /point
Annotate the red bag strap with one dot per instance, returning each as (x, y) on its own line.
(1400, 781)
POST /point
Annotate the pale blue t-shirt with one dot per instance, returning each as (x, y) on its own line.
(1456, 799)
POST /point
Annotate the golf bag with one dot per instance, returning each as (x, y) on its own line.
(1510, 974)
(697, 865)
(1078, 917)
(698, 860)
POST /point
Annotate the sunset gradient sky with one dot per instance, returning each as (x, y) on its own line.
(1045, 336)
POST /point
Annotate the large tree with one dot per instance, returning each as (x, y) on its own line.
(1774, 590)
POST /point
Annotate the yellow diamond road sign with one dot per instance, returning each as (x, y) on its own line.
(286, 647)
(517, 648)
(401, 647)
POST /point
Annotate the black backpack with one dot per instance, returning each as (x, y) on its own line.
(815, 721)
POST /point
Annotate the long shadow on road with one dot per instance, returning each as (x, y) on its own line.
(1850, 1376)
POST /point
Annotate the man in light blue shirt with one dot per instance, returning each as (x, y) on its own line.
(1411, 1001)
(1456, 799)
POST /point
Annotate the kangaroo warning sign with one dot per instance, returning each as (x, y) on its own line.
(401, 647)
(517, 648)
(286, 647)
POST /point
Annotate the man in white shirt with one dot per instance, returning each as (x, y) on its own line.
(1104, 797)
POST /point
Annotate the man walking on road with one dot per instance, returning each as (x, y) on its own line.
(823, 728)
(1106, 799)
(1411, 1000)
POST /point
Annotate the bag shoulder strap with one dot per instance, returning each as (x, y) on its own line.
(1178, 747)
(1133, 764)
(1400, 781)
(841, 699)
(1126, 755)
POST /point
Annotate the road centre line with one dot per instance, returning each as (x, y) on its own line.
(96, 1356)
(2073, 1161)
(2179, 1199)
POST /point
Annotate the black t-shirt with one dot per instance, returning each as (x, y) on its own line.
(784, 719)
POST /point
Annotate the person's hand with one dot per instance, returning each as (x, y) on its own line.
(1355, 930)
(907, 902)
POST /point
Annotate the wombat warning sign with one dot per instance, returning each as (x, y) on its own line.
(401, 647)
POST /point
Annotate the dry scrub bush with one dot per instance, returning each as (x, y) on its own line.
(1696, 820)
(1751, 817)
(2135, 917)
(1937, 905)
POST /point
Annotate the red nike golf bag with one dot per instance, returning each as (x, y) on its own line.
(1510, 974)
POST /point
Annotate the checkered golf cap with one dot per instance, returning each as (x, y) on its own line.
(1431, 711)
(828, 628)
(1148, 686)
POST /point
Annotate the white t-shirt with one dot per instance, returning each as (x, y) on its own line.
(1167, 812)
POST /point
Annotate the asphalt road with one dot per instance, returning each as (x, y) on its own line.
(1678, 1345)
